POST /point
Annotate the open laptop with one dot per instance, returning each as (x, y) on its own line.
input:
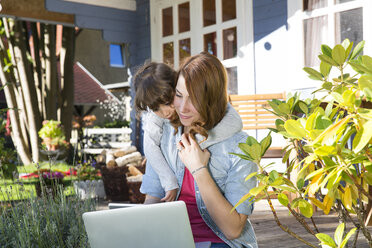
(146, 226)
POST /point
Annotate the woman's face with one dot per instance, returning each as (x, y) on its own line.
(184, 107)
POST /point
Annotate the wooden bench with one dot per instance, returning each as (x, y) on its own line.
(98, 139)
(253, 109)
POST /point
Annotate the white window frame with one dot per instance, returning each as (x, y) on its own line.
(296, 45)
(244, 60)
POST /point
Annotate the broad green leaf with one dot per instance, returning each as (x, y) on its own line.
(283, 199)
(300, 183)
(256, 190)
(316, 75)
(326, 240)
(348, 46)
(322, 122)
(305, 208)
(326, 50)
(325, 69)
(329, 176)
(251, 175)
(339, 233)
(365, 113)
(346, 136)
(275, 106)
(316, 202)
(334, 180)
(265, 144)
(368, 178)
(251, 140)
(315, 133)
(295, 203)
(368, 92)
(362, 137)
(327, 85)
(349, 97)
(338, 54)
(328, 60)
(273, 175)
(310, 122)
(279, 181)
(290, 102)
(325, 151)
(367, 62)
(313, 174)
(286, 156)
(255, 151)
(347, 237)
(245, 148)
(285, 188)
(303, 107)
(358, 49)
(337, 97)
(284, 108)
(365, 82)
(295, 128)
(357, 66)
(347, 198)
(328, 109)
(328, 203)
(332, 130)
(242, 156)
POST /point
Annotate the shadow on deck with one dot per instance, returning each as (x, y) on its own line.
(269, 234)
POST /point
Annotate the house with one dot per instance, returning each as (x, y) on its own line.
(264, 44)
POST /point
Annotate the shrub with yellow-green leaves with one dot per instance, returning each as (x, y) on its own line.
(331, 139)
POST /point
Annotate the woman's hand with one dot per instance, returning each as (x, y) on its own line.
(191, 155)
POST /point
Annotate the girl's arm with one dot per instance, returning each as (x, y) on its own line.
(153, 130)
(231, 224)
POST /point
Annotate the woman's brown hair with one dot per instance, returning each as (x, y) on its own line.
(206, 83)
(154, 84)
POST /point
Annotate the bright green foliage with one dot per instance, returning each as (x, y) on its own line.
(339, 241)
(53, 130)
(331, 171)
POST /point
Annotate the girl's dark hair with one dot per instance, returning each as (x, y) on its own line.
(206, 83)
(154, 84)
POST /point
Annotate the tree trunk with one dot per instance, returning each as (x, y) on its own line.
(51, 72)
(67, 79)
(32, 85)
(28, 86)
(8, 83)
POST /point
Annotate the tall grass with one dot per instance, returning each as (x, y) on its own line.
(48, 221)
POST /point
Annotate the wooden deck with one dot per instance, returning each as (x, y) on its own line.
(269, 234)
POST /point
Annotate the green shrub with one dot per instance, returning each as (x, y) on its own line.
(44, 222)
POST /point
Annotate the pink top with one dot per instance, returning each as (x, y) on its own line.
(200, 229)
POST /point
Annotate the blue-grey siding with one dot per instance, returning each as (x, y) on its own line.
(118, 26)
(268, 16)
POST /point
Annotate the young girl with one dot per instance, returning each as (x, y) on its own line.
(155, 85)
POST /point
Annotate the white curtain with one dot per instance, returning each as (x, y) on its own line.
(315, 33)
(315, 4)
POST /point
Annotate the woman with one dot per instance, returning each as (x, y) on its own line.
(211, 180)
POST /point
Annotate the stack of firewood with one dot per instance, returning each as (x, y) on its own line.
(128, 157)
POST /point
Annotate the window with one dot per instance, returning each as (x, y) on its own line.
(220, 27)
(116, 56)
(330, 22)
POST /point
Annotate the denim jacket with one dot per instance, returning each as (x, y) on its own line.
(228, 171)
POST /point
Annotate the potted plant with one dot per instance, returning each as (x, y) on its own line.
(329, 149)
(89, 183)
(52, 135)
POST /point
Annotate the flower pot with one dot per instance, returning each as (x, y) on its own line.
(89, 189)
